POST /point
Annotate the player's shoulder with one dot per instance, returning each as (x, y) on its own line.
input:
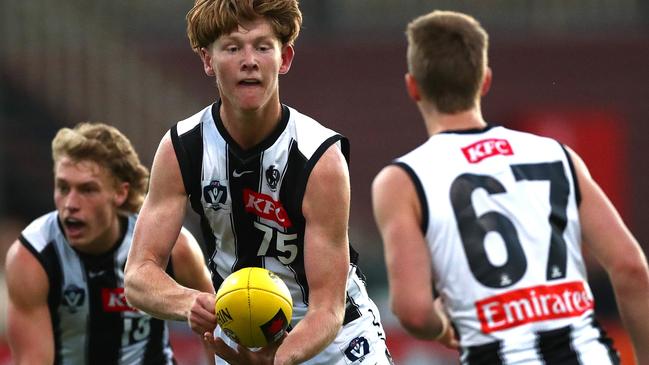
(302, 121)
(40, 231)
(192, 122)
(310, 134)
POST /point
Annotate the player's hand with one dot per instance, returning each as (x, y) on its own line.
(241, 355)
(201, 317)
(449, 338)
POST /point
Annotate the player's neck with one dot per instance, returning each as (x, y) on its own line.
(440, 122)
(249, 127)
(107, 241)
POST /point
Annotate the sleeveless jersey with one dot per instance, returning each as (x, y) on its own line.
(250, 205)
(500, 217)
(91, 321)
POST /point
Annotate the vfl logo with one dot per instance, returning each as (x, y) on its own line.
(114, 300)
(272, 177)
(215, 195)
(73, 298)
(266, 207)
(480, 150)
(357, 349)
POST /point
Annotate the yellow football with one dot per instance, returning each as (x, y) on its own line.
(254, 307)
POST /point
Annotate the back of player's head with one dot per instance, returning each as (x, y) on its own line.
(108, 147)
(209, 19)
(447, 56)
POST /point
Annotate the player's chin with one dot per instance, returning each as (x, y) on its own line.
(78, 241)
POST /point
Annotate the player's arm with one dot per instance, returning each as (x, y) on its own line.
(326, 259)
(190, 271)
(610, 241)
(29, 329)
(398, 215)
(147, 285)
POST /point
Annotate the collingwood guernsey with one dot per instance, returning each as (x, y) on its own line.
(524, 298)
(91, 320)
(250, 201)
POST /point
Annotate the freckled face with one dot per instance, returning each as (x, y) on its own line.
(87, 201)
(247, 63)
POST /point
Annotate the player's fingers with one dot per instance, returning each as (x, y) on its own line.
(200, 324)
(201, 315)
(207, 302)
(221, 349)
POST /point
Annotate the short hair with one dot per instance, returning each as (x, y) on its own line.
(209, 19)
(108, 147)
(447, 56)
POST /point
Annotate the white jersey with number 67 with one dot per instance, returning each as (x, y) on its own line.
(500, 216)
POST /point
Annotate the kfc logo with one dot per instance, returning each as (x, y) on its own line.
(114, 300)
(266, 207)
(480, 150)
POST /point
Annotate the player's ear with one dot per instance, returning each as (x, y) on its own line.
(288, 52)
(206, 57)
(486, 82)
(121, 193)
(412, 87)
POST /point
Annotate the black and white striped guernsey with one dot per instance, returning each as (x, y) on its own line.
(250, 201)
(91, 321)
(501, 220)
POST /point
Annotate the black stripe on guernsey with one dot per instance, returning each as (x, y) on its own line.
(49, 260)
(192, 139)
(154, 353)
(555, 347)
(488, 354)
(189, 151)
(103, 346)
(294, 168)
(304, 179)
(300, 187)
(352, 311)
(290, 180)
(613, 355)
(420, 193)
(242, 221)
(575, 180)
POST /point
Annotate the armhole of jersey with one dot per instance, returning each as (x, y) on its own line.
(52, 269)
(183, 158)
(310, 164)
(189, 152)
(420, 193)
(574, 174)
(33, 251)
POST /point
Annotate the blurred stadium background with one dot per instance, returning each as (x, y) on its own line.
(575, 70)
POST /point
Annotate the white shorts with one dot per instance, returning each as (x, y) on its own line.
(361, 341)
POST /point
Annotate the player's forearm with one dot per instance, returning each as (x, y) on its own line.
(314, 332)
(150, 289)
(632, 295)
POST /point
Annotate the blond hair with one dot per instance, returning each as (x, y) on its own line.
(108, 147)
(447, 55)
(209, 19)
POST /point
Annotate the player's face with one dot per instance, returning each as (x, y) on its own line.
(247, 63)
(86, 199)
